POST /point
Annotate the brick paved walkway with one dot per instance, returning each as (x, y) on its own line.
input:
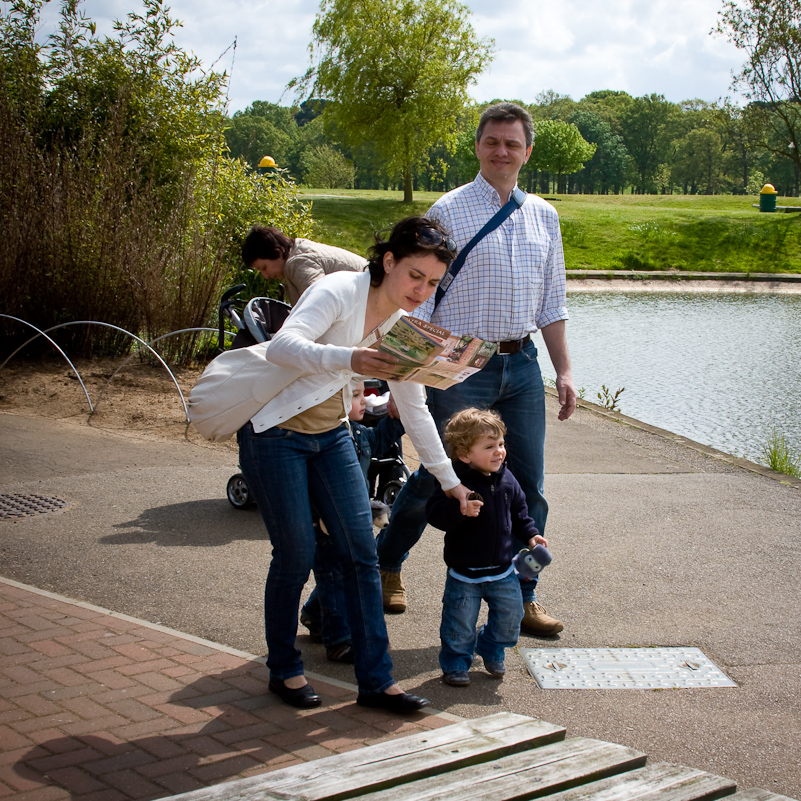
(100, 706)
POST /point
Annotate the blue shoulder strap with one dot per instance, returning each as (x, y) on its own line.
(515, 202)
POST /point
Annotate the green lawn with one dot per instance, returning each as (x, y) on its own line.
(718, 233)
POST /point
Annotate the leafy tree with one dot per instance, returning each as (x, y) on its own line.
(251, 138)
(769, 33)
(559, 147)
(398, 71)
(309, 110)
(647, 133)
(609, 105)
(698, 165)
(607, 168)
(737, 130)
(327, 168)
(550, 105)
(118, 202)
(264, 129)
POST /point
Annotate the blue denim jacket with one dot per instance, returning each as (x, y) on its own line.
(374, 440)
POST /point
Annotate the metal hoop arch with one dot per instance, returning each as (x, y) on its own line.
(107, 325)
(153, 342)
(55, 345)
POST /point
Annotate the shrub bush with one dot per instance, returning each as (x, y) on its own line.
(118, 200)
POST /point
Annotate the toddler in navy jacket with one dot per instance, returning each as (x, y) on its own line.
(479, 547)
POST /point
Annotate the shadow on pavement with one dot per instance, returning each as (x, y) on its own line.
(193, 523)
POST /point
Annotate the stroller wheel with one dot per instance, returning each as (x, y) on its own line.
(390, 491)
(238, 492)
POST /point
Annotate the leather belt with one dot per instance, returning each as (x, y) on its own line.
(513, 345)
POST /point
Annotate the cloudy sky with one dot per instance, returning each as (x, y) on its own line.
(572, 47)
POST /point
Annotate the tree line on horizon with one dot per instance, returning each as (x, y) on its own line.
(386, 105)
(642, 145)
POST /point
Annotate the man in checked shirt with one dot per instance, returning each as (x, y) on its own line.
(511, 285)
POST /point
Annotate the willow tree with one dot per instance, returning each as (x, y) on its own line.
(398, 71)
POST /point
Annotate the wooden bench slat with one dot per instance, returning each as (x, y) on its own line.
(386, 764)
(662, 781)
(754, 794)
(530, 774)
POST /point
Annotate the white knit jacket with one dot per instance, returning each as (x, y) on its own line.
(305, 363)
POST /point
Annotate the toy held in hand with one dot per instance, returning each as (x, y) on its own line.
(380, 512)
(530, 561)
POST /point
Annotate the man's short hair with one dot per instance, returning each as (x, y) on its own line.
(507, 112)
(466, 427)
(265, 243)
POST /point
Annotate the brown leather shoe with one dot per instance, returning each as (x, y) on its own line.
(340, 653)
(393, 592)
(537, 621)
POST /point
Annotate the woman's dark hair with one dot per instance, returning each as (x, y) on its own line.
(265, 243)
(410, 237)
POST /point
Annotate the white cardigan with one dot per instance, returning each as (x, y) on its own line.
(311, 355)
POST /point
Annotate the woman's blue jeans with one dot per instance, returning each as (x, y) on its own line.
(288, 473)
(461, 604)
(512, 385)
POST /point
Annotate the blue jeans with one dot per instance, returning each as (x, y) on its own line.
(288, 473)
(461, 604)
(512, 385)
(326, 604)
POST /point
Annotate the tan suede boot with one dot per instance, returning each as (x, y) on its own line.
(393, 592)
(537, 621)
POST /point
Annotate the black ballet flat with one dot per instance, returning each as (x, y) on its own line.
(302, 698)
(403, 704)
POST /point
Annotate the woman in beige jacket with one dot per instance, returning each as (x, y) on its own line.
(298, 263)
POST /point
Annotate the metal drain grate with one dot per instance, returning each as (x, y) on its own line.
(622, 668)
(18, 505)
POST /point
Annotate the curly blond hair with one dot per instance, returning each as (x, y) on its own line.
(466, 427)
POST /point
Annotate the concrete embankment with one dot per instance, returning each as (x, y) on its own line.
(675, 281)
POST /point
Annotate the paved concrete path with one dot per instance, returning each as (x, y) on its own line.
(656, 542)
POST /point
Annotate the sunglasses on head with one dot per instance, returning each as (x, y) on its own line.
(431, 238)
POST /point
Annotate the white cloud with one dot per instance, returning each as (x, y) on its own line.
(571, 46)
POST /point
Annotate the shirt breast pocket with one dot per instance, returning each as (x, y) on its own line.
(531, 257)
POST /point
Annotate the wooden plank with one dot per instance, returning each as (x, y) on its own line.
(658, 782)
(393, 762)
(532, 774)
(754, 794)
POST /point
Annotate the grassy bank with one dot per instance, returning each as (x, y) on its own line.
(720, 233)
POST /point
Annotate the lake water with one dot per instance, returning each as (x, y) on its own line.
(723, 369)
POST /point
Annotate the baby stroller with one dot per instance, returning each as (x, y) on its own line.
(388, 473)
(257, 320)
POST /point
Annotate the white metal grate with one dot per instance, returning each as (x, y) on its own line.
(622, 668)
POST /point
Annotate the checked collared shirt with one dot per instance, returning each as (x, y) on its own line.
(513, 281)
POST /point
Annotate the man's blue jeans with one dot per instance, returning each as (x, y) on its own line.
(461, 604)
(288, 473)
(512, 385)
